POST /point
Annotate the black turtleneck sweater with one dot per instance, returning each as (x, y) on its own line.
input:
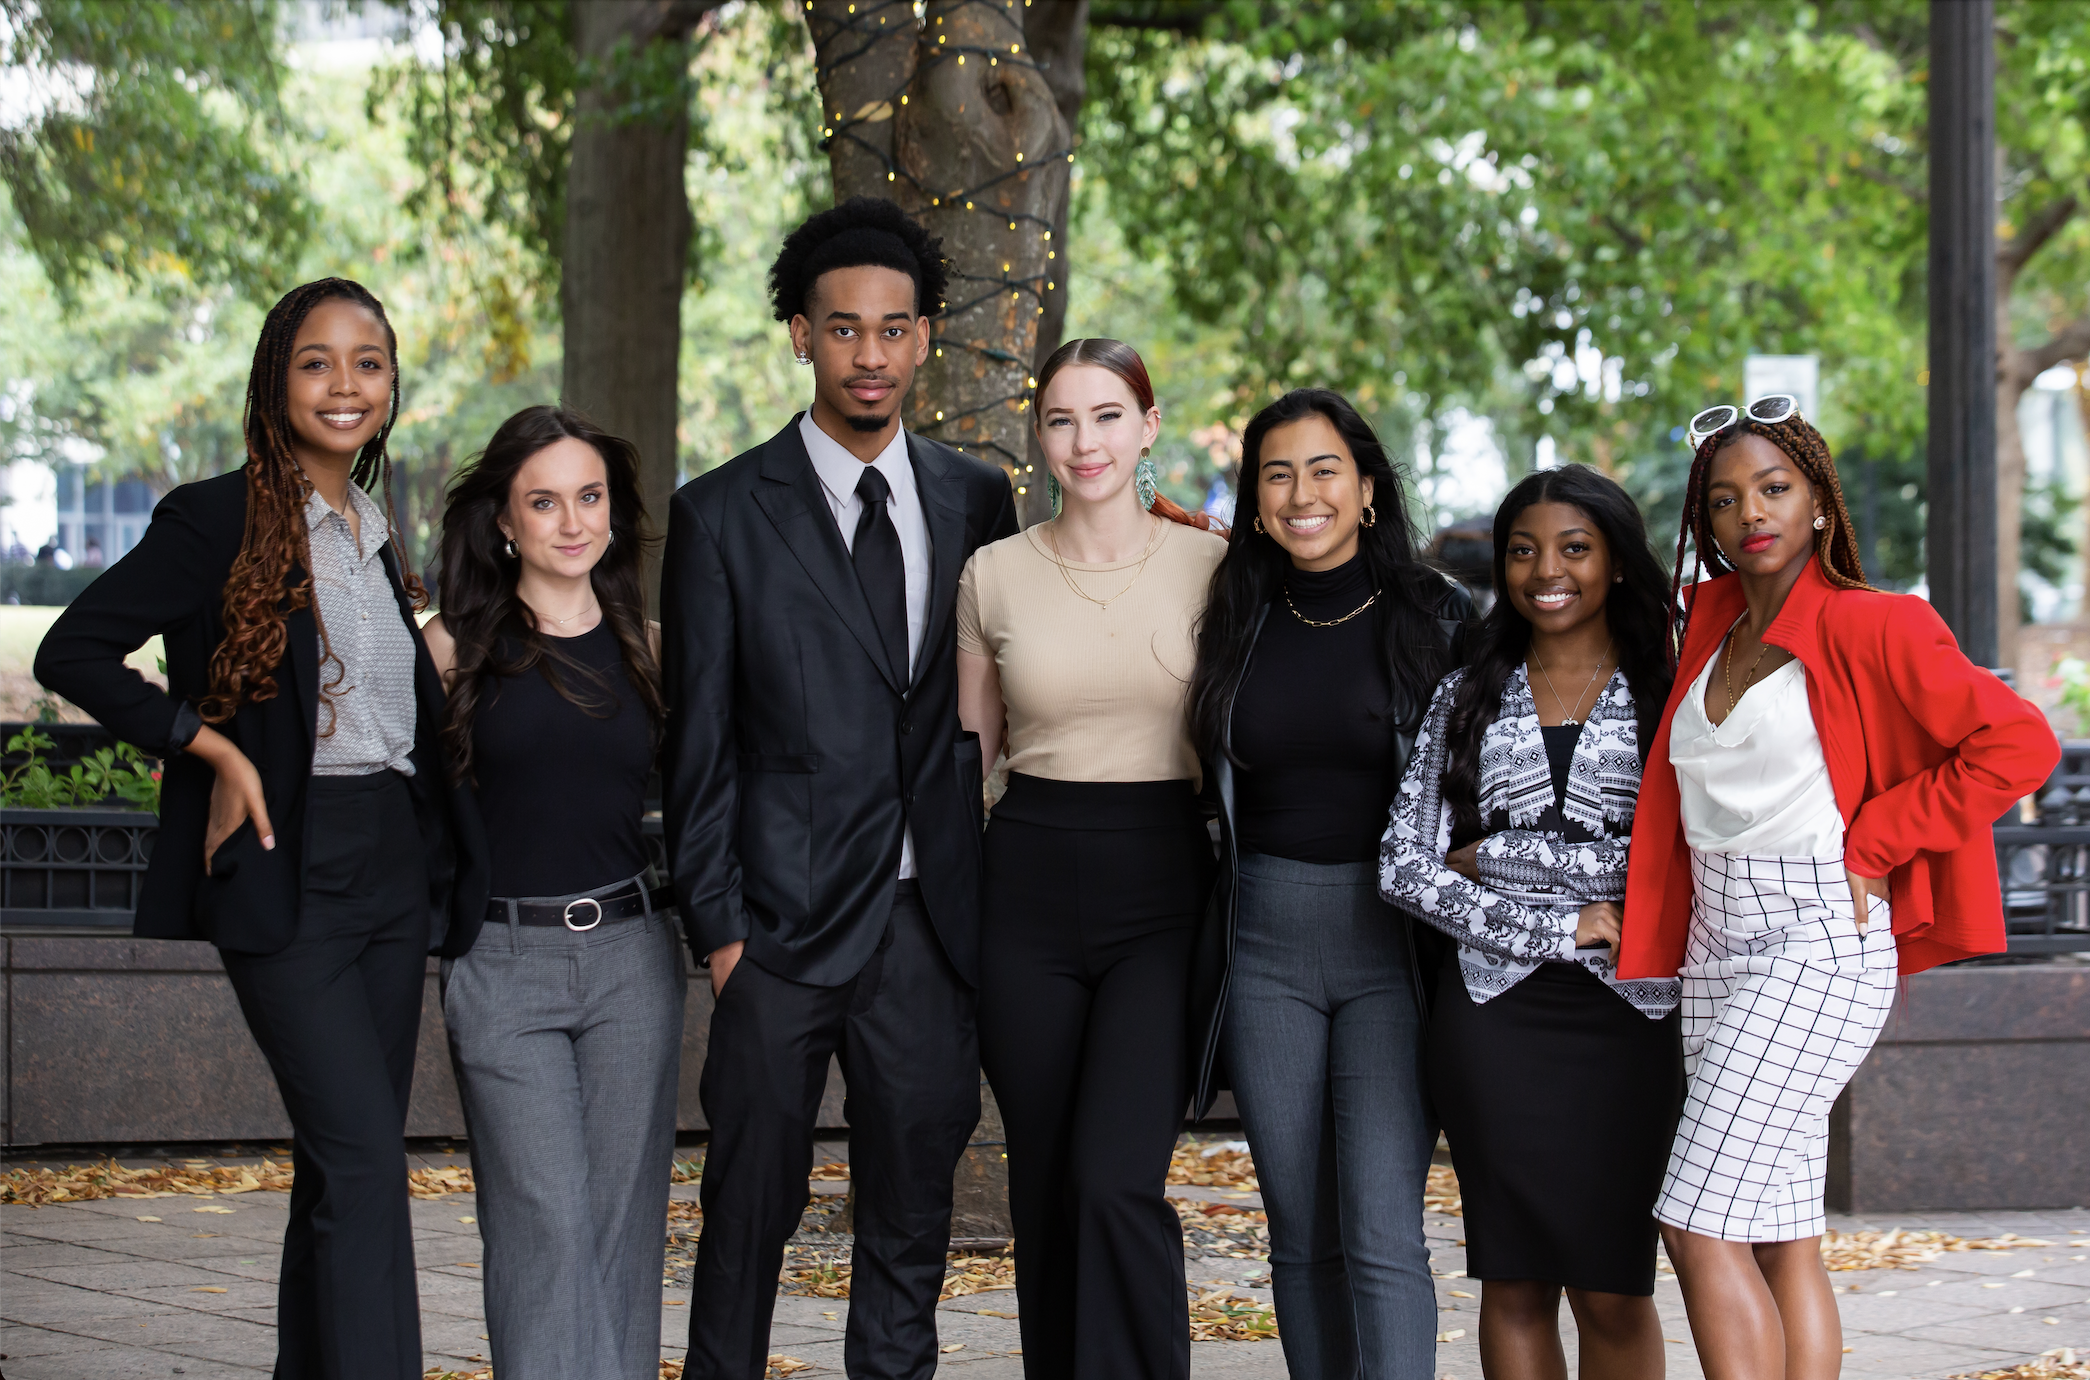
(1310, 724)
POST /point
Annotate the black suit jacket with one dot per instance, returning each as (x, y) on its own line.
(796, 754)
(173, 583)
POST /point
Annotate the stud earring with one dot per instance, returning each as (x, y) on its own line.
(804, 358)
(1820, 522)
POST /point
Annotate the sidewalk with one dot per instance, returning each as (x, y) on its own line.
(184, 1285)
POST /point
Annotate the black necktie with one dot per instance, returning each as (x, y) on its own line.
(880, 568)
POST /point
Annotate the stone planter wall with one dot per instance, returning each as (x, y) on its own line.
(1976, 1096)
(113, 1039)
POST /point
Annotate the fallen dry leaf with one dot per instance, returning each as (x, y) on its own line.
(1219, 1164)
(2058, 1364)
(834, 1171)
(80, 1183)
(1441, 1193)
(206, 1289)
(1907, 1250)
(1224, 1316)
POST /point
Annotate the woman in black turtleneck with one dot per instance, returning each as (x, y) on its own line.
(1321, 642)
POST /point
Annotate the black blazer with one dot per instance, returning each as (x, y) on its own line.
(173, 583)
(1212, 953)
(796, 755)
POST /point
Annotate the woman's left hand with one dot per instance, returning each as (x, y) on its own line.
(1465, 861)
(1862, 889)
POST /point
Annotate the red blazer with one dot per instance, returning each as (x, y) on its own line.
(1925, 750)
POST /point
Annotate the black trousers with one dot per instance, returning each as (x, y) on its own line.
(1092, 891)
(337, 1014)
(904, 1030)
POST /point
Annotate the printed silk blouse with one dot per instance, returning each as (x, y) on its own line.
(1538, 866)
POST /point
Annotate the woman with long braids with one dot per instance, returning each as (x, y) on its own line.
(308, 827)
(1834, 765)
(1074, 644)
(1321, 641)
(565, 1018)
(1510, 836)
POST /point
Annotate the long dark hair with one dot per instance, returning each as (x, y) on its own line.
(1640, 610)
(1412, 594)
(259, 592)
(1836, 547)
(477, 582)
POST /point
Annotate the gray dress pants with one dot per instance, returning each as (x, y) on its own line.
(1322, 1041)
(568, 1047)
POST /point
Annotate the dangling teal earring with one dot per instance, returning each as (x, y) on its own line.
(1146, 478)
(1052, 491)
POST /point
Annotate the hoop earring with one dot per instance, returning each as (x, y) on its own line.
(1369, 517)
(1146, 477)
(1259, 524)
(510, 548)
(1052, 491)
(611, 540)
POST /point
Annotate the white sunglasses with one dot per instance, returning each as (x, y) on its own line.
(1771, 407)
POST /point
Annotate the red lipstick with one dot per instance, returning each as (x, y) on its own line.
(1761, 541)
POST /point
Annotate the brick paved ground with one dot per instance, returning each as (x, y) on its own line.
(91, 1292)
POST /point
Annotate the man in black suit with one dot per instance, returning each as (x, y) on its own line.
(823, 808)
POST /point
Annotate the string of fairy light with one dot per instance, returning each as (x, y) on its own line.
(867, 21)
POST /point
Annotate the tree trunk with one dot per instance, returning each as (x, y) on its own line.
(2011, 383)
(952, 117)
(626, 252)
(1058, 36)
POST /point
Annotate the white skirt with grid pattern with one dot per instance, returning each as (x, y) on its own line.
(1782, 998)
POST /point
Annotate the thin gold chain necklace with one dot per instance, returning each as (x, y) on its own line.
(1573, 717)
(1333, 622)
(1727, 670)
(1052, 550)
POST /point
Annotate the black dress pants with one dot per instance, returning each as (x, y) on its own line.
(904, 1031)
(337, 1015)
(1092, 891)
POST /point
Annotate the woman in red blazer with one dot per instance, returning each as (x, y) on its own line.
(1835, 764)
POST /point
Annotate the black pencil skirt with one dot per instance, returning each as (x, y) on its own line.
(1559, 1100)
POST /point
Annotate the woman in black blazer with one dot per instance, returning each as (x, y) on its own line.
(308, 827)
(1321, 642)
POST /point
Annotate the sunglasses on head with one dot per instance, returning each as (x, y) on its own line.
(1772, 407)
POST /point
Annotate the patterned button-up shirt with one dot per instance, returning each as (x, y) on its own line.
(366, 702)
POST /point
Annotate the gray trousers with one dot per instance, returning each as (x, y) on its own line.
(1322, 1040)
(568, 1049)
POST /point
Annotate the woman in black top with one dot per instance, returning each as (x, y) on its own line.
(307, 827)
(1319, 646)
(565, 1018)
(1510, 836)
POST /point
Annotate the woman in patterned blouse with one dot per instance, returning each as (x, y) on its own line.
(1509, 835)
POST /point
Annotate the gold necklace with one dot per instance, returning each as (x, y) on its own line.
(1333, 622)
(1574, 716)
(1727, 670)
(1052, 550)
(562, 622)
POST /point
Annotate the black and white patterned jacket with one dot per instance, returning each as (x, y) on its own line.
(1535, 875)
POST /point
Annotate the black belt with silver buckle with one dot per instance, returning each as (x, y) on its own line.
(580, 914)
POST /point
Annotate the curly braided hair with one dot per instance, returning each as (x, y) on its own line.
(260, 592)
(1835, 546)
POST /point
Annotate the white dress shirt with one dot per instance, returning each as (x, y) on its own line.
(1756, 784)
(839, 473)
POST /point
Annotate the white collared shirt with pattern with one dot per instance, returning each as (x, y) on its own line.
(366, 703)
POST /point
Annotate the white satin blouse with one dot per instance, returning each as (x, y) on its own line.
(1756, 784)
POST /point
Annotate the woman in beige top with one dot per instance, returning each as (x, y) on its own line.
(1075, 647)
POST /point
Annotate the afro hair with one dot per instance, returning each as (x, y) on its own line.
(864, 230)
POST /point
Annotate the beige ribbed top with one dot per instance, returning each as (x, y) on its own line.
(1094, 693)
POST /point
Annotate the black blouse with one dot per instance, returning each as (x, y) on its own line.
(561, 790)
(1311, 725)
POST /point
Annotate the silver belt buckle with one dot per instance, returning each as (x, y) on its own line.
(567, 915)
